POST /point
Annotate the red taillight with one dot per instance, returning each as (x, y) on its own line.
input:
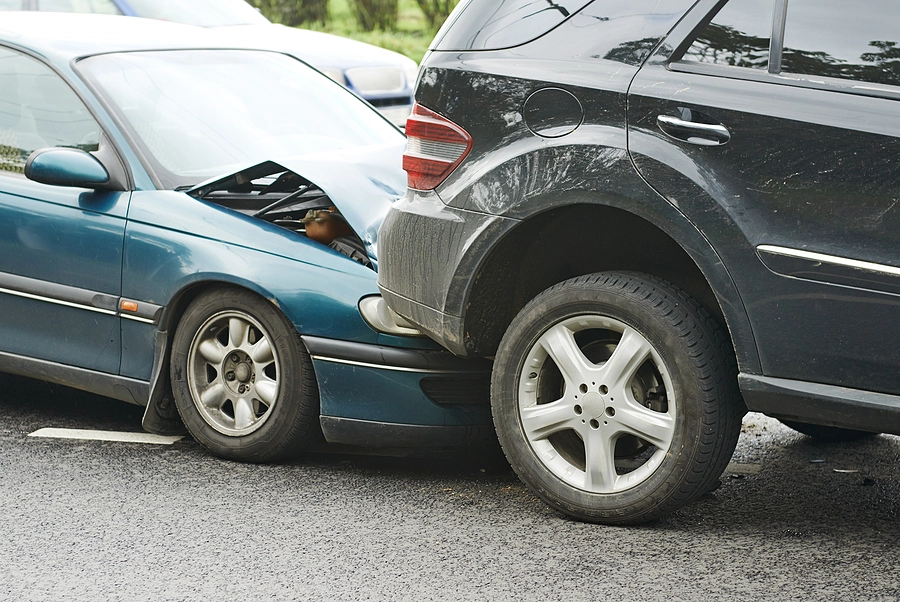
(434, 147)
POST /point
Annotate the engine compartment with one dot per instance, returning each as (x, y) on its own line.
(282, 197)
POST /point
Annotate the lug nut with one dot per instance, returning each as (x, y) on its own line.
(229, 376)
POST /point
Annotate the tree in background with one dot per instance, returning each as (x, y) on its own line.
(381, 14)
(293, 12)
(436, 11)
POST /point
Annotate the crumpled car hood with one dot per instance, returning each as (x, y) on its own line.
(361, 182)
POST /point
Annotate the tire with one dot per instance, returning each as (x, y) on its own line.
(831, 434)
(615, 398)
(242, 380)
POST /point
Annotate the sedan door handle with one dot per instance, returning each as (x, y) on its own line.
(704, 134)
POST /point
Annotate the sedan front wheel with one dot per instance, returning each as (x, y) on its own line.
(242, 380)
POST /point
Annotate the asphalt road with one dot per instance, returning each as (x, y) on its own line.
(87, 520)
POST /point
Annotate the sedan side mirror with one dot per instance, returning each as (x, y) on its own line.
(66, 167)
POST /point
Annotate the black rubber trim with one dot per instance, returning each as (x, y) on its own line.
(367, 433)
(829, 273)
(827, 405)
(458, 389)
(380, 355)
(111, 385)
(59, 292)
(52, 292)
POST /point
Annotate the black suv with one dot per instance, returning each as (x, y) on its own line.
(656, 214)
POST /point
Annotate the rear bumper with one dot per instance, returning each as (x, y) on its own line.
(430, 289)
(443, 328)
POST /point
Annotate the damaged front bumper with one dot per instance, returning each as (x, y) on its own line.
(438, 399)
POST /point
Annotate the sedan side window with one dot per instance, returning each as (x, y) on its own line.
(835, 38)
(38, 110)
(738, 36)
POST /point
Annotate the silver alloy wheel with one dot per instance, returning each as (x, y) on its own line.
(233, 373)
(596, 404)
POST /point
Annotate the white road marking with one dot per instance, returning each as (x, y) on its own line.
(105, 436)
(735, 468)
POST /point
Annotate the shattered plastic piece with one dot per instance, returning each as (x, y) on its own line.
(845, 470)
(817, 461)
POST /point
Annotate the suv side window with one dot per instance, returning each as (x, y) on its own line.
(37, 110)
(738, 36)
(835, 38)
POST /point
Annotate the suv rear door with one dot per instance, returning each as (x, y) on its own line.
(776, 128)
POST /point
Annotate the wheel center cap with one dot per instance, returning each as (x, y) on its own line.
(593, 404)
(242, 372)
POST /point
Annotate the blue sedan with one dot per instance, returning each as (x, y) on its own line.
(193, 228)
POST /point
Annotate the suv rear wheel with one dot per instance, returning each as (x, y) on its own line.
(614, 398)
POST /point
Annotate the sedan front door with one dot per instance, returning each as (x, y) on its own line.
(60, 248)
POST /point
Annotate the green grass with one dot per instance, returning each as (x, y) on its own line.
(412, 37)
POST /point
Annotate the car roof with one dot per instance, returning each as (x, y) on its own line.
(62, 37)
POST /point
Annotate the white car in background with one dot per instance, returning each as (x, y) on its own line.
(384, 78)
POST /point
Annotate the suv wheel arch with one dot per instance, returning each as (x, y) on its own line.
(563, 242)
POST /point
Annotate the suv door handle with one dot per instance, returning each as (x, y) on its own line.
(704, 134)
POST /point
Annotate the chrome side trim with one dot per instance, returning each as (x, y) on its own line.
(832, 259)
(387, 367)
(137, 318)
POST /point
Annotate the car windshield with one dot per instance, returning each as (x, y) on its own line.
(205, 13)
(197, 114)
